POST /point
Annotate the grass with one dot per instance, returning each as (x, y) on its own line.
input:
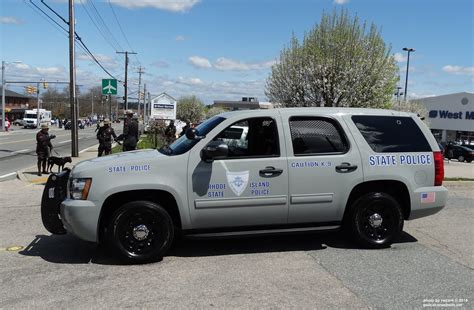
(145, 142)
(458, 179)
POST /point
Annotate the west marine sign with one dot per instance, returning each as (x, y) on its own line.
(446, 114)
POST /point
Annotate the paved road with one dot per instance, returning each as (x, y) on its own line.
(433, 260)
(17, 148)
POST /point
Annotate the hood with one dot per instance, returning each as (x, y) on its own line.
(139, 156)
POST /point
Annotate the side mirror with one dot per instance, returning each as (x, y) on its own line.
(191, 133)
(214, 150)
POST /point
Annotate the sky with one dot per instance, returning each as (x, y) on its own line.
(224, 49)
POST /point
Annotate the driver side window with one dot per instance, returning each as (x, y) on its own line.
(254, 137)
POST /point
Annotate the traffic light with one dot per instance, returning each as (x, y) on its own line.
(30, 89)
(45, 85)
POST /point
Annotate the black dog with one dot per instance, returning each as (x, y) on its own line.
(59, 161)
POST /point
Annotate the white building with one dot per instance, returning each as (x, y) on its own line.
(163, 107)
(451, 116)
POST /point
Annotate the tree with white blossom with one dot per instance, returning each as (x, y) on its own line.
(339, 63)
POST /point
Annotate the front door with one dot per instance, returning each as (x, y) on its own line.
(247, 188)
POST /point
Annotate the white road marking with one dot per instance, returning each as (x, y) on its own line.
(7, 175)
(22, 151)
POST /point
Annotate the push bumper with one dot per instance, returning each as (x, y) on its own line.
(427, 201)
(54, 193)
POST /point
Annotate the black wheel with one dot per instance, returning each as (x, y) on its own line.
(141, 232)
(461, 158)
(469, 160)
(376, 219)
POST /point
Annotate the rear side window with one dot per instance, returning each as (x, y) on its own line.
(391, 134)
(316, 136)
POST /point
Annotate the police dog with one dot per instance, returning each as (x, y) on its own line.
(59, 161)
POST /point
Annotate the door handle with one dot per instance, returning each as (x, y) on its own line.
(270, 172)
(346, 167)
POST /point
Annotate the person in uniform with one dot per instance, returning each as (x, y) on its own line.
(170, 133)
(43, 147)
(130, 132)
(186, 127)
(104, 135)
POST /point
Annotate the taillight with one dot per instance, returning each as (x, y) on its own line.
(439, 168)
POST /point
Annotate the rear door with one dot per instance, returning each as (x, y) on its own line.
(324, 165)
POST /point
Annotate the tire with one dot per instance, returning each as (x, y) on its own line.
(469, 160)
(461, 158)
(375, 220)
(140, 232)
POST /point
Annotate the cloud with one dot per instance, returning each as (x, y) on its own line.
(458, 70)
(190, 81)
(399, 57)
(105, 60)
(227, 64)
(340, 1)
(10, 20)
(167, 5)
(199, 62)
(180, 38)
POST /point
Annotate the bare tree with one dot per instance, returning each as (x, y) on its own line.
(339, 63)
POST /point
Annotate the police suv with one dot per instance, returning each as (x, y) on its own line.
(255, 172)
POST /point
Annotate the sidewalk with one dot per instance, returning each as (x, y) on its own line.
(30, 175)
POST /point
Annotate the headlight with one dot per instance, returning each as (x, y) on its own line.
(79, 188)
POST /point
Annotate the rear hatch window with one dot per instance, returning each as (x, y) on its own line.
(391, 134)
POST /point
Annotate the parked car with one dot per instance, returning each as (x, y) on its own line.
(461, 153)
(18, 122)
(255, 172)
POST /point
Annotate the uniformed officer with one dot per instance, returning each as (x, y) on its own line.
(170, 133)
(186, 127)
(43, 147)
(130, 132)
(104, 135)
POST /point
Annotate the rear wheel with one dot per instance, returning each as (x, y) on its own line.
(376, 219)
(141, 232)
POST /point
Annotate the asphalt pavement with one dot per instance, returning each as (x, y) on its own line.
(430, 266)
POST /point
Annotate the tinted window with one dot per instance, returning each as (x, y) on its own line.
(254, 137)
(316, 135)
(386, 134)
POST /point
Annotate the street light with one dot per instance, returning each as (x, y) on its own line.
(4, 63)
(409, 50)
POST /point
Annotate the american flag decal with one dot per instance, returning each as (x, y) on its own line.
(428, 197)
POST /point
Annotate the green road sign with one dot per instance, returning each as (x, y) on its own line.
(109, 87)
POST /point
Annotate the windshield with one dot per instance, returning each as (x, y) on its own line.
(183, 144)
(30, 116)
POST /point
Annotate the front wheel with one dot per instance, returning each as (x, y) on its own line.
(376, 219)
(141, 232)
(461, 158)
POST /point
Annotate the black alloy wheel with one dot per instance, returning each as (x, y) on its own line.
(376, 220)
(141, 232)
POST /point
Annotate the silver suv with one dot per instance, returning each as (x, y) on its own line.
(253, 172)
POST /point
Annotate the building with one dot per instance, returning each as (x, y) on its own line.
(16, 104)
(451, 117)
(247, 103)
(163, 107)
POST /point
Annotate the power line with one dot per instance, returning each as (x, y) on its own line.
(101, 20)
(121, 29)
(107, 39)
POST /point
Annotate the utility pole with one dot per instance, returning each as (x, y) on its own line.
(92, 103)
(38, 105)
(140, 71)
(3, 95)
(145, 109)
(72, 83)
(125, 84)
